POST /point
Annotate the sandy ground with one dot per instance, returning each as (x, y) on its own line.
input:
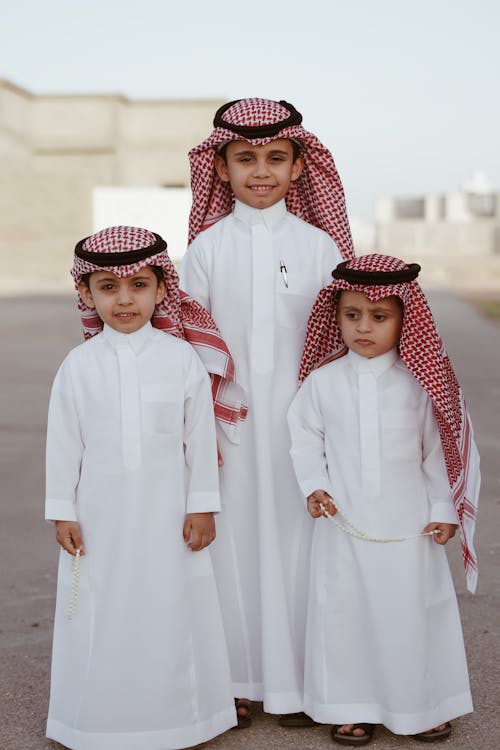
(36, 333)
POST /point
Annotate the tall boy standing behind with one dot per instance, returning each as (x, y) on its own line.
(272, 194)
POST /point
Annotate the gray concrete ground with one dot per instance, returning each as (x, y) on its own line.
(35, 334)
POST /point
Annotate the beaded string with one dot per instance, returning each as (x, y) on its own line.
(349, 528)
(75, 585)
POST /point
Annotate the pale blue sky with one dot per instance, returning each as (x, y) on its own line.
(406, 94)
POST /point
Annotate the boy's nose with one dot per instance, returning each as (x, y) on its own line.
(364, 323)
(260, 169)
(123, 296)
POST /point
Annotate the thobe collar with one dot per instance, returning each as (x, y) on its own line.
(269, 216)
(376, 365)
(134, 341)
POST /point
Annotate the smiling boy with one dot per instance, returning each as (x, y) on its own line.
(131, 483)
(267, 225)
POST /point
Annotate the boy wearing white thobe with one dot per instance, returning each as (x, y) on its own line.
(384, 642)
(140, 663)
(257, 269)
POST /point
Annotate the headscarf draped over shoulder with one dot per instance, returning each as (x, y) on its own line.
(316, 197)
(422, 351)
(124, 251)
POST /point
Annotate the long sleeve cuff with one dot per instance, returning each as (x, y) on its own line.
(443, 512)
(203, 502)
(60, 510)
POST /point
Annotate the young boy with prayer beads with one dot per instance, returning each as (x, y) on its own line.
(383, 451)
(268, 223)
(139, 656)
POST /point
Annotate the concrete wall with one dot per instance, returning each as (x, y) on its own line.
(56, 150)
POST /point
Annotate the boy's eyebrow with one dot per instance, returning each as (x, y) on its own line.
(111, 277)
(378, 308)
(249, 152)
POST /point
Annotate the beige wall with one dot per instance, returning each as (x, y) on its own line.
(54, 150)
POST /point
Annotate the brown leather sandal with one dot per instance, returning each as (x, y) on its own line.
(352, 739)
(434, 735)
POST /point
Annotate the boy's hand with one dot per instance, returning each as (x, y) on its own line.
(447, 531)
(199, 530)
(320, 497)
(69, 536)
(220, 460)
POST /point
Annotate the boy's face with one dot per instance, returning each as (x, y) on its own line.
(369, 328)
(259, 175)
(125, 304)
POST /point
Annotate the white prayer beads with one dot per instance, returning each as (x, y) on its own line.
(75, 585)
(349, 528)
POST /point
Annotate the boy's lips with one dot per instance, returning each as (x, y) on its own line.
(364, 342)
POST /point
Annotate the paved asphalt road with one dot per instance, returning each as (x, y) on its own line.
(36, 333)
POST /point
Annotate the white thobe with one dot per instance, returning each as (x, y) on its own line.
(258, 273)
(130, 450)
(384, 641)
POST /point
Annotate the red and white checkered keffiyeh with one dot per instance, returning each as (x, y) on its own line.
(177, 314)
(316, 197)
(422, 351)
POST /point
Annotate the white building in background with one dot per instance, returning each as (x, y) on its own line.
(461, 223)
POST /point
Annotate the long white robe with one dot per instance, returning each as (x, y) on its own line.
(130, 449)
(261, 551)
(384, 641)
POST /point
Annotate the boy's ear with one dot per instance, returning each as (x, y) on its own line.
(86, 294)
(160, 292)
(221, 168)
(297, 167)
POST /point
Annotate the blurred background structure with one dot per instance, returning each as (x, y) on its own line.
(75, 163)
(455, 235)
(72, 164)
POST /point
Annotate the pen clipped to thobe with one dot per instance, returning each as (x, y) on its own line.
(283, 272)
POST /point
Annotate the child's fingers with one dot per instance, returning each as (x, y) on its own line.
(186, 529)
(329, 507)
(69, 536)
(196, 539)
(445, 531)
(77, 539)
(206, 539)
(220, 460)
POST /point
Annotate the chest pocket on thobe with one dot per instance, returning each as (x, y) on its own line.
(162, 409)
(400, 434)
(293, 303)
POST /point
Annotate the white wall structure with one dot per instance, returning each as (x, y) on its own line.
(460, 222)
(455, 235)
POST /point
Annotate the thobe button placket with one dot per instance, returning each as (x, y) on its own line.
(369, 432)
(130, 407)
(262, 347)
